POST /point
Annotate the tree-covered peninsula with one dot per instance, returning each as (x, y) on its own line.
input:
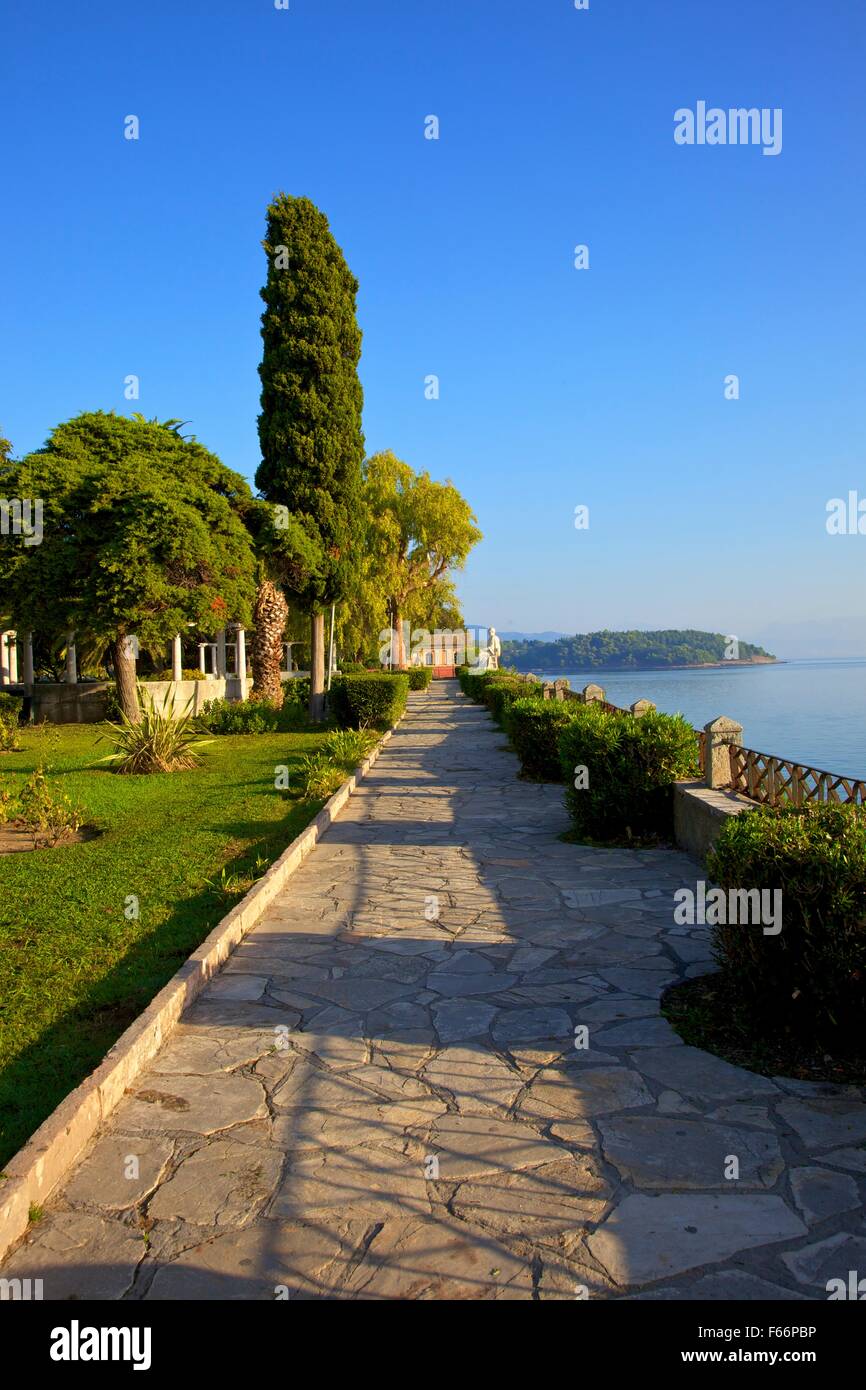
(631, 651)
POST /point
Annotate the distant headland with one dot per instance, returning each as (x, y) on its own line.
(633, 651)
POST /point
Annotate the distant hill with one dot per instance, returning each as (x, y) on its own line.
(628, 651)
(532, 636)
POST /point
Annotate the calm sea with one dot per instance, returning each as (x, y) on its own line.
(810, 711)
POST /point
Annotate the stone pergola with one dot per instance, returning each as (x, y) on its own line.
(19, 672)
(226, 657)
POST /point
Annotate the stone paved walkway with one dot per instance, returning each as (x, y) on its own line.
(380, 1096)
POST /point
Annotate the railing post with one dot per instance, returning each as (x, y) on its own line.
(593, 693)
(721, 733)
(642, 707)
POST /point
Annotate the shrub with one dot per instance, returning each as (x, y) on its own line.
(472, 682)
(8, 732)
(50, 815)
(322, 772)
(10, 707)
(349, 747)
(296, 693)
(812, 974)
(502, 689)
(374, 700)
(420, 677)
(318, 776)
(631, 766)
(239, 717)
(187, 674)
(161, 742)
(534, 727)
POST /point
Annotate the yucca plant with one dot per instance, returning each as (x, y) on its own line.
(318, 776)
(161, 742)
(349, 747)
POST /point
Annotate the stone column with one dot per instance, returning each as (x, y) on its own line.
(176, 658)
(12, 659)
(221, 654)
(642, 707)
(720, 734)
(71, 660)
(592, 693)
(241, 659)
(201, 661)
(560, 687)
(4, 658)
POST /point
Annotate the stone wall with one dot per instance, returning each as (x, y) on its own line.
(699, 814)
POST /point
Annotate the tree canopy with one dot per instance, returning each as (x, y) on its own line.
(144, 533)
(310, 433)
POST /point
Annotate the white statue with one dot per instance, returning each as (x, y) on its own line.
(493, 649)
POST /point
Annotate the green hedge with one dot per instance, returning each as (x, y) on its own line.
(812, 974)
(502, 689)
(420, 677)
(631, 766)
(472, 682)
(373, 700)
(534, 726)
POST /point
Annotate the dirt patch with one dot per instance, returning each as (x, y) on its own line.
(14, 838)
(708, 1013)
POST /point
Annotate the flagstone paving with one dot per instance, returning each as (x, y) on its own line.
(385, 1093)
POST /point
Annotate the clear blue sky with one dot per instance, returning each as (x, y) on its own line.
(558, 387)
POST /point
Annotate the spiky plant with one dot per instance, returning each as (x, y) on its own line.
(161, 742)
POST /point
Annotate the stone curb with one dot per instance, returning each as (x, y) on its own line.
(36, 1170)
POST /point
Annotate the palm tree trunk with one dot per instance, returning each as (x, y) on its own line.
(269, 618)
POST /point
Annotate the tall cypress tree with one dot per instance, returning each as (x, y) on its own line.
(310, 433)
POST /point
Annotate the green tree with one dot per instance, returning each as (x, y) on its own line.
(144, 533)
(310, 433)
(421, 530)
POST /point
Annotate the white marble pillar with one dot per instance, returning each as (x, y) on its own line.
(5, 658)
(201, 660)
(241, 653)
(176, 658)
(71, 660)
(13, 658)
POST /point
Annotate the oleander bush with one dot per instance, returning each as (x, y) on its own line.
(533, 725)
(369, 700)
(503, 688)
(812, 974)
(631, 767)
(472, 682)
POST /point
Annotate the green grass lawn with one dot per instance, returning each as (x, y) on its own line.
(74, 971)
